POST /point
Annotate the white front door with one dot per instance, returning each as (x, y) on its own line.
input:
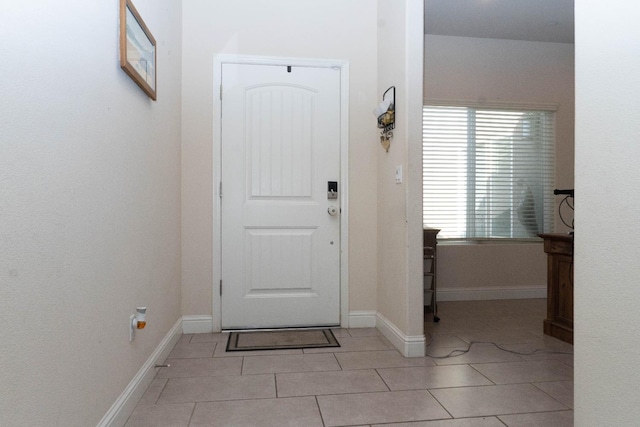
(280, 237)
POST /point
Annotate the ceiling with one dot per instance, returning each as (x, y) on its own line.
(531, 20)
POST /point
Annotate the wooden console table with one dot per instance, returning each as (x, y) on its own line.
(559, 321)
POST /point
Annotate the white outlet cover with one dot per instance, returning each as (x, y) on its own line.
(399, 174)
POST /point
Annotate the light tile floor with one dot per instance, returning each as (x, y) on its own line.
(368, 383)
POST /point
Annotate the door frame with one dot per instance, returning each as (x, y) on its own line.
(343, 67)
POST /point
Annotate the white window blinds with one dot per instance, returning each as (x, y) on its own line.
(488, 173)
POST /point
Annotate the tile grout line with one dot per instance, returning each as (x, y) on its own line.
(275, 383)
(440, 403)
(338, 361)
(161, 391)
(383, 381)
(500, 421)
(538, 388)
(483, 375)
(192, 412)
(320, 411)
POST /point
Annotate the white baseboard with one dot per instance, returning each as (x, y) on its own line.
(477, 294)
(197, 324)
(409, 346)
(362, 319)
(120, 411)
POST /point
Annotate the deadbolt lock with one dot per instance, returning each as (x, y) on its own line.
(332, 190)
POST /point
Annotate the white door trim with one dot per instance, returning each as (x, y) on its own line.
(343, 66)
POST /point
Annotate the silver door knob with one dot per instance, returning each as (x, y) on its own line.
(332, 210)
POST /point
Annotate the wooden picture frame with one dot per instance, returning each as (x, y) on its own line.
(137, 49)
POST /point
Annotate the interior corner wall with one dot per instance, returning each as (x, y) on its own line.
(399, 220)
(607, 296)
(318, 29)
(89, 207)
(502, 71)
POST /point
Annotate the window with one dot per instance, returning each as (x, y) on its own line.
(487, 172)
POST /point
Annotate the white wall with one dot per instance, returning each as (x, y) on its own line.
(399, 205)
(332, 29)
(607, 295)
(89, 207)
(502, 71)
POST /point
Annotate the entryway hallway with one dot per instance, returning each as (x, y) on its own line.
(366, 382)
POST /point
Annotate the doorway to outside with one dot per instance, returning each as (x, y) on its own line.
(281, 199)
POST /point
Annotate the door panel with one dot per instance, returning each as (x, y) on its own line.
(280, 147)
(265, 249)
(282, 160)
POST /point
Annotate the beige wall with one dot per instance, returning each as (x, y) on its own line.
(607, 295)
(399, 205)
(89, 207)
(332, 29)
(488, 70)
(392, 209)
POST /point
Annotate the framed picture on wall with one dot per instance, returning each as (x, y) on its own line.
(137, 49)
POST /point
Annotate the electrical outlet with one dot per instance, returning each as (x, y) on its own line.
(132, 328)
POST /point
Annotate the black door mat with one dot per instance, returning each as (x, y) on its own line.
(282, 339)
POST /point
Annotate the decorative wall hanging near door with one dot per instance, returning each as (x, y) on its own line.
(386, 114)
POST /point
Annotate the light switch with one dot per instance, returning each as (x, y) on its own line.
(399, 174)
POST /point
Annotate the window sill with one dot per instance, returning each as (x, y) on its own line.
(475, 242)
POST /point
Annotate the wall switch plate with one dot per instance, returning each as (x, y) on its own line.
(399, 174)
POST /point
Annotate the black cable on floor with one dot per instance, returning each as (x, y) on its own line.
(456, 353)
